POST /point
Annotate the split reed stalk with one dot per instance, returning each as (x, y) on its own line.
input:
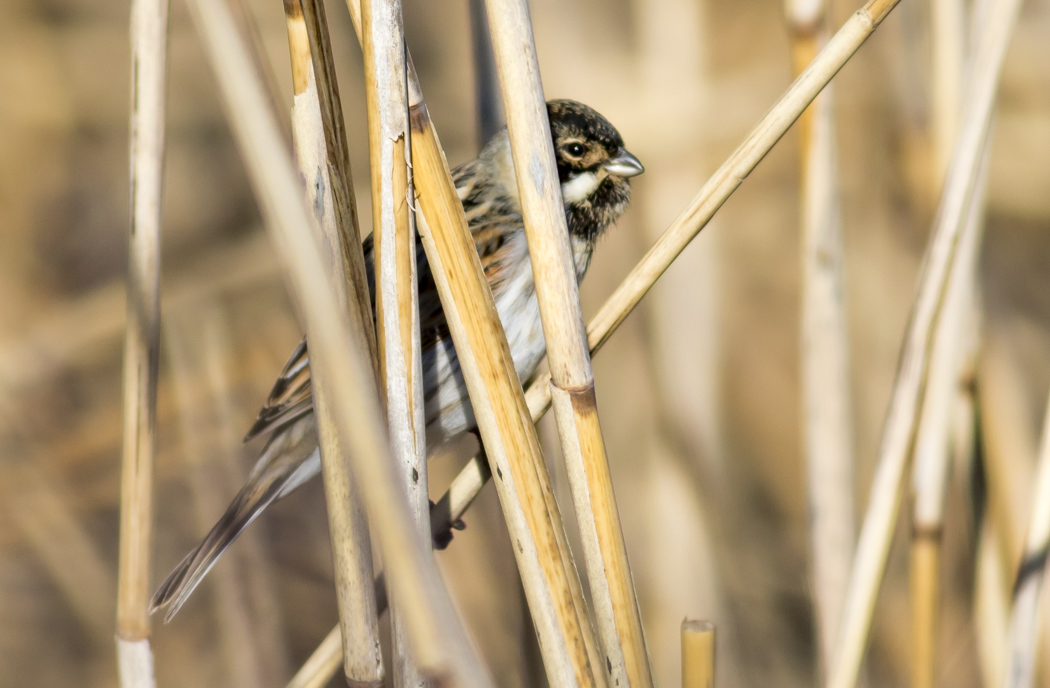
(575, 408)
(902, 417)
(397, 320)
(825, 345)
(1024, 618)
(328, 185)
(698, 654)
(149, 45)
(438, 638)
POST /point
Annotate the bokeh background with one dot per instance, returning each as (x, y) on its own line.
(699, 390)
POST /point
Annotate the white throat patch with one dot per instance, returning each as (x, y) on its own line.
(579, 187)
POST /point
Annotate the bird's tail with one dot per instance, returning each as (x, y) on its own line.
(288, 461)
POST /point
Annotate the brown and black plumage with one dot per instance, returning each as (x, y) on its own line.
(593, 168)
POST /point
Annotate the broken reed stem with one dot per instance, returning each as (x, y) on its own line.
(347, 524)
(1024, 619)
(703, 206)
(487, 101)
(902, 417)
(438, 639)
(554, 272)
(149, 45)
(825, 345)
(397, 319)
(698, 654)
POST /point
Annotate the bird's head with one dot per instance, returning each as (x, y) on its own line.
(593, 167)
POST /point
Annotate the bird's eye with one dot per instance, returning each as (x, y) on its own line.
(575, 149)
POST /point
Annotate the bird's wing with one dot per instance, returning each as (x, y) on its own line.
(291, 397)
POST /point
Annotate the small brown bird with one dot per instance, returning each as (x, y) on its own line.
(593, 167)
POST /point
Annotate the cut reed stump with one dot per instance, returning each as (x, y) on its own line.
(698, 654)
(149, 44)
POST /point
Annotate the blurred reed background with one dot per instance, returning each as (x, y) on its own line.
(699, 392)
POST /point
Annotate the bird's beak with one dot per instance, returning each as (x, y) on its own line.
(624, 165)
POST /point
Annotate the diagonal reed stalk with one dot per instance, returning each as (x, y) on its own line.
(397, 305)
(149, 45)
(689, 223)
(1024, 618)
(322, 160)
(698, 654)
(825, 345)
(575, 408)
(902, 417)
(438, 639)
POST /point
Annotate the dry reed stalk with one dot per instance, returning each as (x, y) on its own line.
(932, 452)
(329, 192)
(948, 368)
(698, 654)
(149, 44)
(242, 15)
(825, 346)
(1024, 618)
(990, 607)
(616, 608)
(488, 105)
(438, 639)
(397, 318)
(902, 416)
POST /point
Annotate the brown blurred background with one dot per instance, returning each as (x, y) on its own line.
(699, 391)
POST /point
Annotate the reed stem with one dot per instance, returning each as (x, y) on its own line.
(605, 554)
(348, 526)
(149, 44)
(397, 306)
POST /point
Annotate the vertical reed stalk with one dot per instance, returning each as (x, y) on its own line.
(324, 170)
(393, 223)
(825, 345)
(439, 641)
(932, 451)
(149, 44)
(698, 654)
(488, 104)
(605, 554)
(1024, 619)
(902, 417)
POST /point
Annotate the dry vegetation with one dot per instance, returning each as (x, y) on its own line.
(702, 392)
